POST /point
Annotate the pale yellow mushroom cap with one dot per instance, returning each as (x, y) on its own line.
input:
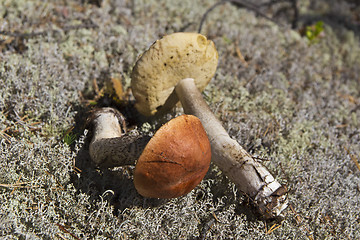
(165, 63)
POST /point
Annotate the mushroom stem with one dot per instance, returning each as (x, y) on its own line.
(111, 145)
(249, 176)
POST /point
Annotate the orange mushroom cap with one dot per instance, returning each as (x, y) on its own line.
(175, 160)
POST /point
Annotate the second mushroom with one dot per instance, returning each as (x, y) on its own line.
(178, 67)
(169, 165)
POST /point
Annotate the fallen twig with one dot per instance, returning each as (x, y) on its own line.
(238, 3)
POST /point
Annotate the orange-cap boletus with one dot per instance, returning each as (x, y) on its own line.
(175, 160)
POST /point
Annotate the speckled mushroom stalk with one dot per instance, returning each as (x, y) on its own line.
(111, 145)
(248, 175)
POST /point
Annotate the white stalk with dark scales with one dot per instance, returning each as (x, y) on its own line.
(239, 166)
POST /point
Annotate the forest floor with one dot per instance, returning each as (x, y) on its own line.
(289, 96)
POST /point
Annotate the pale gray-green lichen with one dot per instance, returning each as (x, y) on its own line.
(295, 104)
